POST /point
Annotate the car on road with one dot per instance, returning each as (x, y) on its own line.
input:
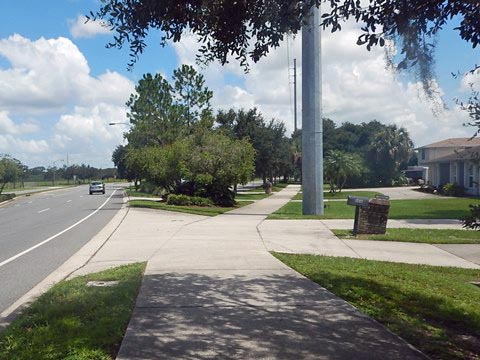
(96, 186)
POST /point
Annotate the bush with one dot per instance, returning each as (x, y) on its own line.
(452, 189)
(185, 200)
(150, 188)
(5, 197)
(472, 221)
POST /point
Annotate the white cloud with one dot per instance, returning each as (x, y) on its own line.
(357, 87)
(52, 75)
(7, 126)
(471, 79)
(10, 144)
(49, 81)
(87, 131)
(81, 28)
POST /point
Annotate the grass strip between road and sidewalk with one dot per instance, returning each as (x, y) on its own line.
(446, 208)
(426, 236)
(433, 308)
(197, 210)
(133, 193)
(76, 321)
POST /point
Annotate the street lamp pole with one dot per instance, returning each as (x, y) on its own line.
(312, 126)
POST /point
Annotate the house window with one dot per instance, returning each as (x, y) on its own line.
(470, 176)
(454, 171)
(423, 154)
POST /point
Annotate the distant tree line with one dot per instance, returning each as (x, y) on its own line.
(13, 172)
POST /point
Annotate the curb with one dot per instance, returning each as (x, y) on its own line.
(74, 263)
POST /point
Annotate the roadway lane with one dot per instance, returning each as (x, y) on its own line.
(31, 220)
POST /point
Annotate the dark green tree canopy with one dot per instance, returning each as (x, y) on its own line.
(162, 111)
(242, 29)
(247, 29)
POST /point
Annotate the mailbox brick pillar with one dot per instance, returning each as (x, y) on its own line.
(373, 218)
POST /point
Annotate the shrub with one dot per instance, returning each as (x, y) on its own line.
(452, 189)
(185, 200)
(147, 187)
(5, 197)
(472, 221)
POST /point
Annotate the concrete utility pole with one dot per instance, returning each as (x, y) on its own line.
(295, 95)
(312, 126)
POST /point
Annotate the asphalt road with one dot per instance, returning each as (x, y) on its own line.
(40, 232)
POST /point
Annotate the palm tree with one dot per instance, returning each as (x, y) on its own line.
(338, 166)
(390, 148)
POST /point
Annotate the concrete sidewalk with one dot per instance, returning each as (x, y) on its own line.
(315, 237)
(347, 224)
(212, 290)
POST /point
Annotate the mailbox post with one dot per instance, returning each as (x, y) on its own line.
(358, 202)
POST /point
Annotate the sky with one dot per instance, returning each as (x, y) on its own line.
(60, 86)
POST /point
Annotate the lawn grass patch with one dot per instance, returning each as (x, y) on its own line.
(333, 210)
(447, 208)
(426, 236)
(247, 196)
(134, 193)
(75, 321)
(433, 308)
(279, 186)
(197, 210)
(343, 195)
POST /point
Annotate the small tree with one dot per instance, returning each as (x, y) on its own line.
(338, 166)
(216, 163)
(10, 171)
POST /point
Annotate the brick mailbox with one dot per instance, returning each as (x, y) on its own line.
(371, 215)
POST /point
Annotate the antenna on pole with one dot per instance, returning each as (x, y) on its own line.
(295, 95)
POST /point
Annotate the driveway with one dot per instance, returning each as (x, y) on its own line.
(400, 193)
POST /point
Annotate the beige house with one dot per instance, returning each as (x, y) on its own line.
(455, 160)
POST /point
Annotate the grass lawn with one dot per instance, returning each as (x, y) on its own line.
(342, 195)
(247, 196)
(75, 321)
(279, 186)
(134, 193)
(197, 210)
(435, 309)
(427, 236)
(446, 208)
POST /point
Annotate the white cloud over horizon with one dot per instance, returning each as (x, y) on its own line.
(49, 80)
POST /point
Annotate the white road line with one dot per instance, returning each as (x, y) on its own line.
(41, 211)
(17, 205)
(69, 201)
(30, 202)
(5, 262)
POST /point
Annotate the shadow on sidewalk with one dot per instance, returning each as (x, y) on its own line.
(251, 315)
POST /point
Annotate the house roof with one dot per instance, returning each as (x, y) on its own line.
(468, 154)
(453, 142)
